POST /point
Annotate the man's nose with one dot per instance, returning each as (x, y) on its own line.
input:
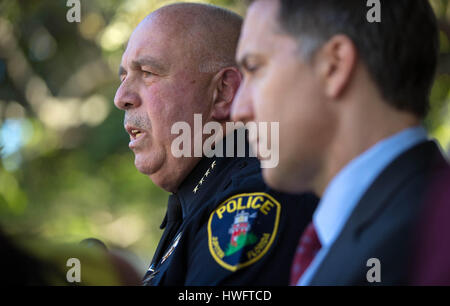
(242, 108)
(126, 98)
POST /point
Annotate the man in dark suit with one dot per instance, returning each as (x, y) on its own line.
(349, 84)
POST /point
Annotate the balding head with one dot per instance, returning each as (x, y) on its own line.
(209, 34)
(179, 61)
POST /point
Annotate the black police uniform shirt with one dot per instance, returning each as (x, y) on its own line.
(224, 226)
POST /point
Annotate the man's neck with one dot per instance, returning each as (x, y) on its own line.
(359, 132)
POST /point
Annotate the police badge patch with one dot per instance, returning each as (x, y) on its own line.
(242, 229)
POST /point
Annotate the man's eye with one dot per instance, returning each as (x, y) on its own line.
(252, 68)
(146, 74)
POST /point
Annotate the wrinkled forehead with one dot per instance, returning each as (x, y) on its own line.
(155, 38)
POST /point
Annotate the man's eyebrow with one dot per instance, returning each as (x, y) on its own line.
(145, 61)
(150, 61)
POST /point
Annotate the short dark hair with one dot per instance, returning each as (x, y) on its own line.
(400, 52)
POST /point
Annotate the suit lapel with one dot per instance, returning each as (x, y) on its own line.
(371, 205)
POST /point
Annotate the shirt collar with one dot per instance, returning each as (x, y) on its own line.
(346, 189)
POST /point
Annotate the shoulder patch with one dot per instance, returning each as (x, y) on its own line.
(242, 228)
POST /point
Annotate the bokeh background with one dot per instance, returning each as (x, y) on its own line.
(66, 172)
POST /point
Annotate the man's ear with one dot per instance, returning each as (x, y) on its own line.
(336, 62)
(227, 85)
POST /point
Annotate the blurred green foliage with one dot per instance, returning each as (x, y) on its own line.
(66, 172)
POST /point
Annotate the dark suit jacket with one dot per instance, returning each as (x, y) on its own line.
(432, 263)
(383, 223)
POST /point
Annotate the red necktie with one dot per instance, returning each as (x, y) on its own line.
(307, 249)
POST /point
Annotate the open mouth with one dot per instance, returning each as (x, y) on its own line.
(135, 134)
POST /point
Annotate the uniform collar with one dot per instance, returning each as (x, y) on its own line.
(195, 184)
(204, 176)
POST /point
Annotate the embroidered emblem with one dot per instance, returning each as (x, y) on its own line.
(242, 229)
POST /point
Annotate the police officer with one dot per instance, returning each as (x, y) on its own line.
(223, 225)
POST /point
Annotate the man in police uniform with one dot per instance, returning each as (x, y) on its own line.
(223, 225)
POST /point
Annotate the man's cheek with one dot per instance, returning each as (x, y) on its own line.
(266, 107)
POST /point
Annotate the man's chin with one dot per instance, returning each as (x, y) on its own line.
(156, 173)
(146, 166)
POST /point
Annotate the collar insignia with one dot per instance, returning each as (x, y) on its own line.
(202, 180)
